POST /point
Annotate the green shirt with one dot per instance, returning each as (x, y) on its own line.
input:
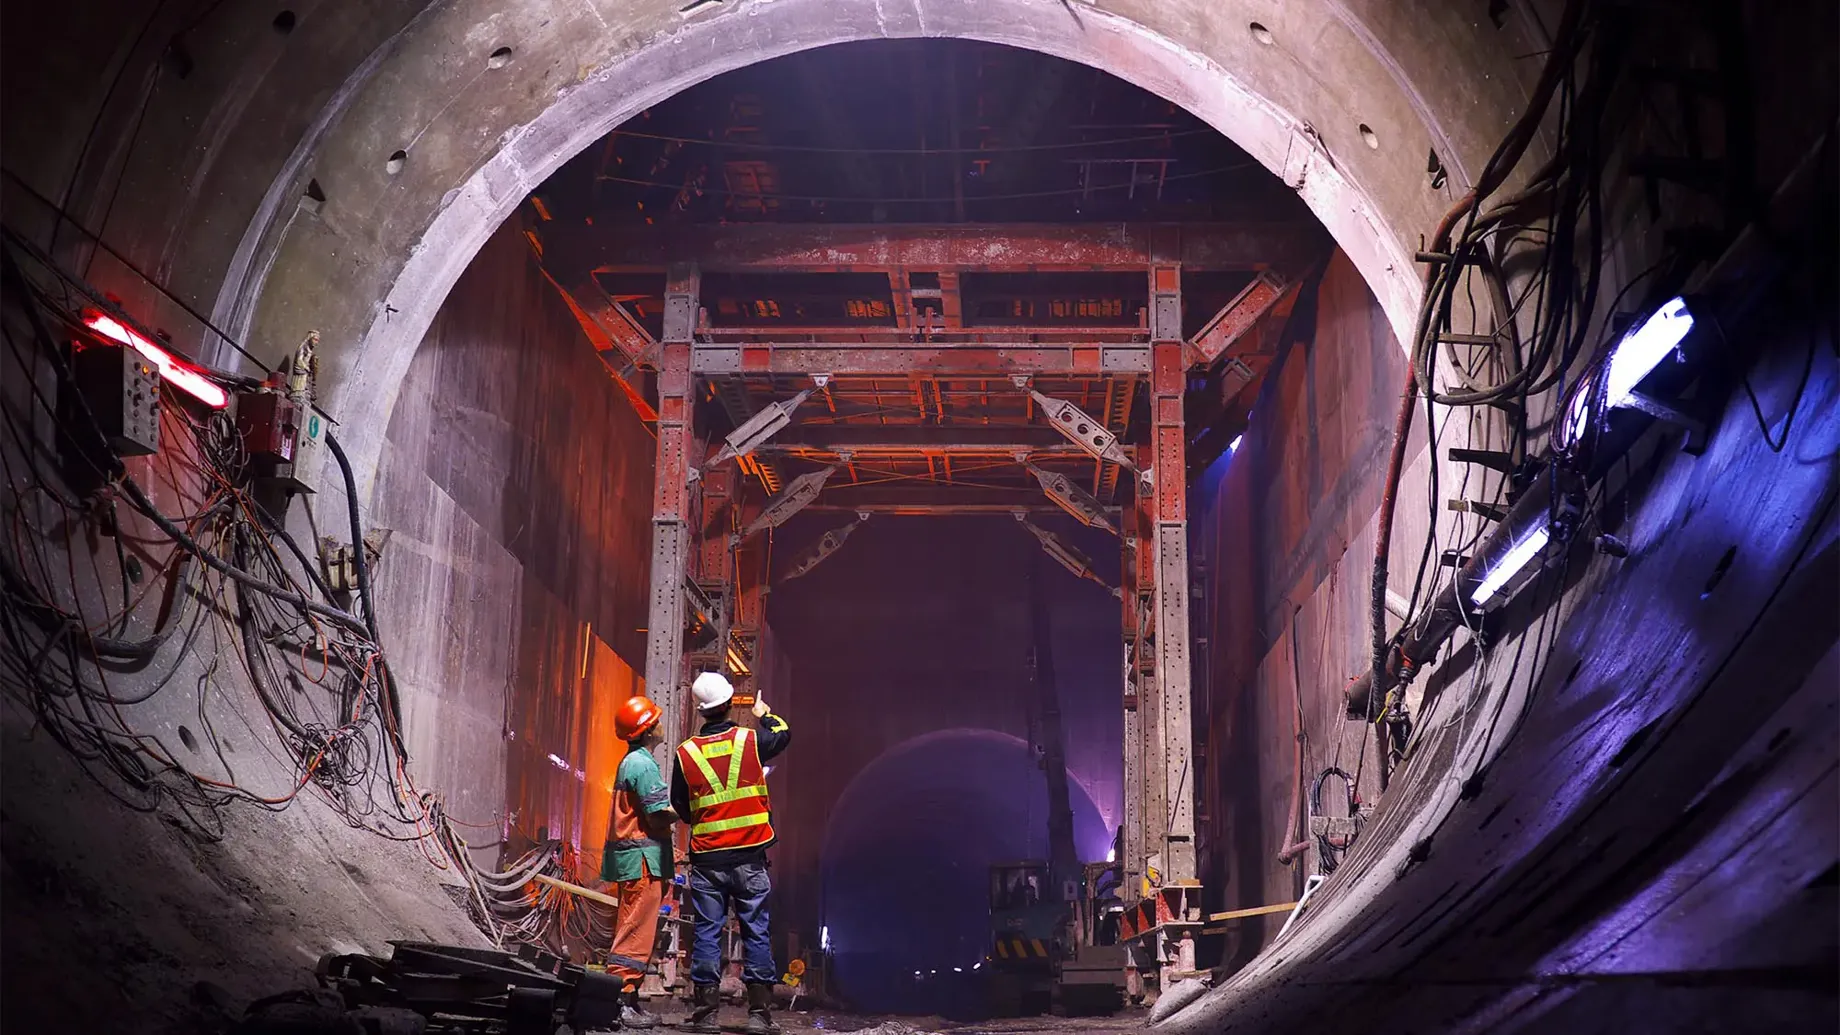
(638, 789)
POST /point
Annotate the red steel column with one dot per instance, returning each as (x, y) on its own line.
(671, 497)
(1175, 816)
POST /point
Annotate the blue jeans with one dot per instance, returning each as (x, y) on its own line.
(711, 892)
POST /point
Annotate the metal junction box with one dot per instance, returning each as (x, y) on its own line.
(281, 437)
(269, 425)
(122, 390)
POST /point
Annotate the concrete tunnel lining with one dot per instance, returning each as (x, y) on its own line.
(350, 276)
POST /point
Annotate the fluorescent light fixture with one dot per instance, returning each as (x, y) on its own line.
(978, 965)
(1233, 446)
(1635, 356)
(1529, 547)
(171, 367)
(1643, 349)
(958, 970)
(824, 941)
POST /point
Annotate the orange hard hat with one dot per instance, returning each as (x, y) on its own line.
(636, 716)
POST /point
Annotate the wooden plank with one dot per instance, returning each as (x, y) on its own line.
(576, 889)
(1237, 914)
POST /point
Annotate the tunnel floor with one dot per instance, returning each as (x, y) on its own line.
(859, 1024)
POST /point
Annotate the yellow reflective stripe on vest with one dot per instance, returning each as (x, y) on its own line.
(722, 792)
(702, 764)
(724, 797)
(716, 826)
(734, 760)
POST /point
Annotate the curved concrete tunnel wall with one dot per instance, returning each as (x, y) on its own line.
(211, 206)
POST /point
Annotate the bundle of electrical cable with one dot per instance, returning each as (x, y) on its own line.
(228, 582)
(1530, 265)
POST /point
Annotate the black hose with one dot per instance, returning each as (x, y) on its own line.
(252, 649)
(357, 537)
(243, 578)
(279, 531)
(362, 564)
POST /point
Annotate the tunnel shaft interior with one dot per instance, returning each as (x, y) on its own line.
(1255, 516)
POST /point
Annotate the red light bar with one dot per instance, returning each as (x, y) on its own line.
(173, 369)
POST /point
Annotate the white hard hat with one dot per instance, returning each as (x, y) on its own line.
(711, 690)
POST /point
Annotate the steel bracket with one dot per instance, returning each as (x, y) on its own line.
(1074, 500)
(795, 497)
(1078, 427)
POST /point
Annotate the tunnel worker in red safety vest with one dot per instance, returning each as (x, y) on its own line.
(638, 846)
(719, 787)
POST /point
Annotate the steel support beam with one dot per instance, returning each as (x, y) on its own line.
(1236, 318)
(671, 505)
(986, 360)
(881, 438)
(921, 508)
(1170, 513)
(886, 247)
(713, 567)
(622, 345)
(1162, 925)
(748, 617)
(917, 498)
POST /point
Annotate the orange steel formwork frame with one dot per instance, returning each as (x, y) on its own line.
(925, 415)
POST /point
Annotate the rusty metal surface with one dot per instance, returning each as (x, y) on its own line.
(1237, 317)
(959, 247)
(989, 360)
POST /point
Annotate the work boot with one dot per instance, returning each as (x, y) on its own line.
(704, 1003)
(760, 1010)
(632, 1015)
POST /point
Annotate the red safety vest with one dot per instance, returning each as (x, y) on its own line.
(728, 791)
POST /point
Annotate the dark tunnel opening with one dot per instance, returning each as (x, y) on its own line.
(924, 763)
(906, 866)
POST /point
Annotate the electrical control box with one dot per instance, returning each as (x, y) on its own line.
(122, 389)
(269, 425)
(282, 439)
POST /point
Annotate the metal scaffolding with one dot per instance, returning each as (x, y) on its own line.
(928, 390)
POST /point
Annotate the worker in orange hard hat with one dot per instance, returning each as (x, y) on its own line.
(638, 845)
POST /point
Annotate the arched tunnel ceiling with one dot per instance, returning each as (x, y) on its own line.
(369, 267)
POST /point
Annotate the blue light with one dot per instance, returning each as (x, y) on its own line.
(1643, 349)
(1635, 356)
(1517, 557)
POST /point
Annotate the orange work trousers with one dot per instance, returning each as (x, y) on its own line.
(636, 929)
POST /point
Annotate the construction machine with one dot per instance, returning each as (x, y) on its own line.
(1050, 947)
